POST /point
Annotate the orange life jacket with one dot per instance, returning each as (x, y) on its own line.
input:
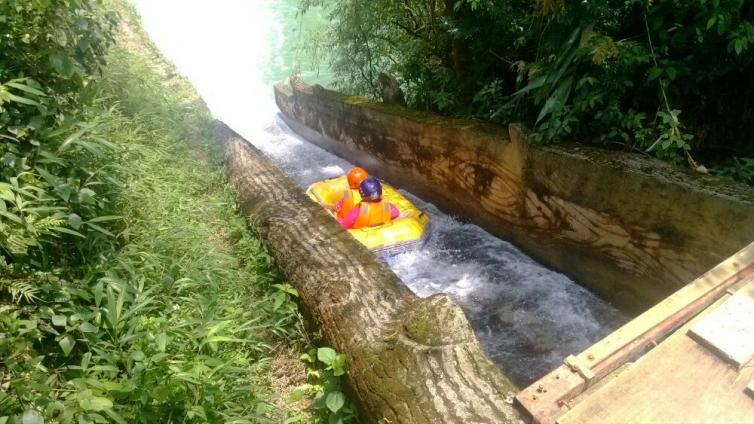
(372, 214)
(350, 199)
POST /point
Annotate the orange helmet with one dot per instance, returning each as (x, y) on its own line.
(355, 176)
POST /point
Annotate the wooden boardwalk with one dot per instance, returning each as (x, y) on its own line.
(679, 381)
(700, 376)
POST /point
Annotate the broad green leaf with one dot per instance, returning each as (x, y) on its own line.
(59, 320)
(335, 401)
(335, 419)
(74, 221)
(100, 229)
(12, 217)
(71, 139)
(89, 402)
(26, 88)
(286, 288)
(654, 73)
(86, 195)
(68, 231)
(60, 37)
(135, 309)
(98, 291)
(62, 64)
(326, 355)
(738, 46)
(339, 365)
(86, 327)
(557, 100)
(92, 148)
(537, 83)
(109, 384)
(6, 192)
(66, 343)
(162, 341)
(114, 416)
(44, 209)
(104, 142)
(49, 158)
(223, 339)
(22, 100)
(105, 218)
(32, 417)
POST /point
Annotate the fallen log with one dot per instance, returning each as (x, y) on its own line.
(410, 360)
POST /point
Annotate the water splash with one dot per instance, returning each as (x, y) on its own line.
(527, 317)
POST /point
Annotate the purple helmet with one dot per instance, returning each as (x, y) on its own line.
(370, 189)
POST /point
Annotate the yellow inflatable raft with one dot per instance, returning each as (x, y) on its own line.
(403, 234)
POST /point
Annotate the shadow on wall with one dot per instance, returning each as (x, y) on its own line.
(628, 227)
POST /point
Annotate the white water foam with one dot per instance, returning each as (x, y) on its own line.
(527, 317)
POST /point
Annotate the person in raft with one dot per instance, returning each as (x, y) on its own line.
(371, 210)
(351, 196)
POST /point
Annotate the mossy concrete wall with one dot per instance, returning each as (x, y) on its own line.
(629, 227)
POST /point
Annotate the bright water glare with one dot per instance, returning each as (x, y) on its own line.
(528, 318)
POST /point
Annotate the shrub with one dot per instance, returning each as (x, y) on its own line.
(53, 185)
(665, 77)
(130, 289)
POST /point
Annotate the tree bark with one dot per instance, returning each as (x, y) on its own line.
(409, 360)
(457, 46)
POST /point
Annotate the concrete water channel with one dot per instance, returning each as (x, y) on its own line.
(527, 317)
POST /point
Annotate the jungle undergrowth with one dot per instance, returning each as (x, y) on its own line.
(132, 290)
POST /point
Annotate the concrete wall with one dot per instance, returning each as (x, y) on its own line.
(628, 227)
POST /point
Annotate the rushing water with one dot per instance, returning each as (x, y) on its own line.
(528, 318)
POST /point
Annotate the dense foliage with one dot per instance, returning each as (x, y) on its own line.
(669, 77)
(52, 190)
(130, 288)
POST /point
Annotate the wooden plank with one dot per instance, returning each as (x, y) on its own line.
(653, 317)
(544, 399)
(679, 381)
(729, 330)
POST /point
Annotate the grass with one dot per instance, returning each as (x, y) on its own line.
(178, 313)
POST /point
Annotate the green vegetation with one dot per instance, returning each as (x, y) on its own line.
(325, 369)
(669, 78)
(130, 288)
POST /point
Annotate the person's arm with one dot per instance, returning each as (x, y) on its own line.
(350, 219)
(337, 206)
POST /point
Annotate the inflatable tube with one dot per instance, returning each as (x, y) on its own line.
(401, 235)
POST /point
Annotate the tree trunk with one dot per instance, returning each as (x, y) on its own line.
(409, 359)
(457, 46)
